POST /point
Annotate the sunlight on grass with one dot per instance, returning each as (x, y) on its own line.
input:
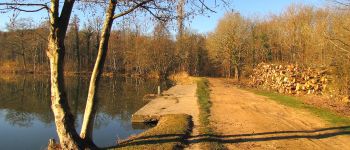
(203, 94)
(294, 102)
(170, 133)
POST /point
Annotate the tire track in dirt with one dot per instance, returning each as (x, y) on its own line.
(245, 120)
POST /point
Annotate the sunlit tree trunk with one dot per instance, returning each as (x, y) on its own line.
(69, 138)
(89, 115)
(236, 70)
(181, 49)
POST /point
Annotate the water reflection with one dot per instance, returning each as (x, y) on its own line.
(21, 119)
(25, 114)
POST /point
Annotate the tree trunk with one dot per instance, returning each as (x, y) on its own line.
(69, 138)
(24, 60)
(237, 73)
(76, 44)
(89, 115)
(181, 49)
(23, 56)
(64, 121)
(88, 38)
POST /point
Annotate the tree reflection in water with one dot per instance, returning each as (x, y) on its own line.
(21, 119)
(25, 103)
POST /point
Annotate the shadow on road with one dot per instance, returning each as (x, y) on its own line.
(277, 135)
(254, 137)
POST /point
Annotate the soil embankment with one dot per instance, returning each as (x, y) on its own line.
(245, 120)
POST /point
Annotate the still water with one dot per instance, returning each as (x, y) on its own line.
(26, 121)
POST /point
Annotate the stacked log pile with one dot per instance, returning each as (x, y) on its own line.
(291, 79)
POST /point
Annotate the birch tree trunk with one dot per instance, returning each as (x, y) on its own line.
(64, 121)
(90, 109)
(69, 138)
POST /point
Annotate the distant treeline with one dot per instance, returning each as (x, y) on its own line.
(131, 52)
(301, 34)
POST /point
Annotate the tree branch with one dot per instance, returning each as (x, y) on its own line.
(336, 45)
(206, 7)
(342, 3)
(24, 4)
(131, 9)
(53, 15)
(65, 15)
(342, 42)
(19, 9)
(163, 19)
(335, 39)
(345, 28)
(15, 6)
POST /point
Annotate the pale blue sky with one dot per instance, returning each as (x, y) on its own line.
(249, 8)
(205, 24)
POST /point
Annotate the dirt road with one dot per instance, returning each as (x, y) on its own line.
(248, 121)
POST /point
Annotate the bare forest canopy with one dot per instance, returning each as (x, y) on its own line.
(301, 34)
(130, 51)
(305, 35)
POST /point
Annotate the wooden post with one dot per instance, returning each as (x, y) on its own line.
(158, 90)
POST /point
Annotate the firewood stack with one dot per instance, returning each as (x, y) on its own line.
(290, 79)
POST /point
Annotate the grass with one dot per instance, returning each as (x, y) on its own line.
(203, 94)
(294, 102)
(170, 133)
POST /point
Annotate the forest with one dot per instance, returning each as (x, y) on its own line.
(301, 34)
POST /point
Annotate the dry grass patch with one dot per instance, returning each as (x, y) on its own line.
(170, 133)
(182, 78)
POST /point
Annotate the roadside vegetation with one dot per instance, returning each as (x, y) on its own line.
(203, 93)
(325, 114)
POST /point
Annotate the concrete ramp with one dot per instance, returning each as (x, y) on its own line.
(179, 99)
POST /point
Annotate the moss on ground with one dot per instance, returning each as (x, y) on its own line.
(170, 133)
(294, 102)
(206, 131)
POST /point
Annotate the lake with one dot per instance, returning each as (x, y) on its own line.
(26, 120)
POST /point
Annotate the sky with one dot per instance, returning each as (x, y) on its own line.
(249, 8)
(204, 24)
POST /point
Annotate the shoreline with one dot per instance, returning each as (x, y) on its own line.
(72, 74)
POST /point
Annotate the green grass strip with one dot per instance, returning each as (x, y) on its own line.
(203, 94)
(204, 103)
(325, 114)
